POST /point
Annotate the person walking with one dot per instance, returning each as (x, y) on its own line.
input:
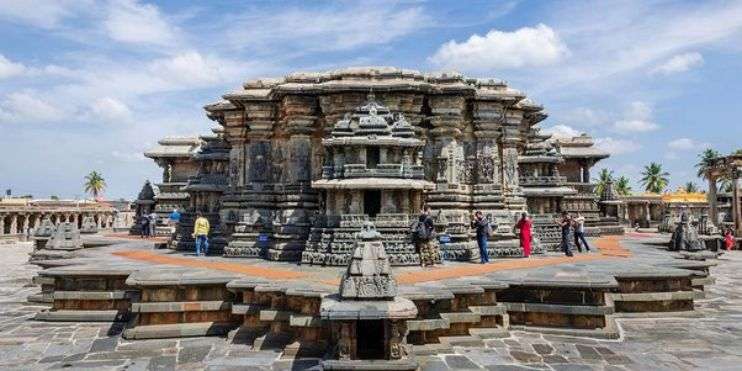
(729, 240)
(524, 227)
(567, 233)
(201, 234)
(152, 223)
(579, 225)
(483, 230)
(424, 237)
(144, 226)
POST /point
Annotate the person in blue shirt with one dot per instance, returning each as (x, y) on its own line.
(174, 220)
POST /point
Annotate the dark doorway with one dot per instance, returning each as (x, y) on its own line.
(370, 339)
(371, 203)
(372, 157)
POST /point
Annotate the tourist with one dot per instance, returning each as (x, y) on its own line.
(579, 227)
(144, 226)
(423, 235)
(152, 223)
(524, 227)
(174, 219)
(201, 234)
(567, 233)
(483, 230)
(729, 240)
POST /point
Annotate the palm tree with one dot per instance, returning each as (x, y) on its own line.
(623, 186)
(690, 187)
(654, 179)
(604, 177)
(705, 161)
(94, 184)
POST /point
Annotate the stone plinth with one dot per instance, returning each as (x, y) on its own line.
(88, 225)
(180, 302)
(89, 294)
(63, 244)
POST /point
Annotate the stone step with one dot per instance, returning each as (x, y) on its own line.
(653, 296)
(489, 310)
(489, 333)
(590, 310)
(370, 365)
(305, 349)
(303, 320)
(95, 295)
(703, 281)
(273, 340)
(182, 306)
(428, 324)
(431, 349)
(461, 317)
(608, 332)
(178, 330)
(463, 341)
(81, 316)
(243, 309)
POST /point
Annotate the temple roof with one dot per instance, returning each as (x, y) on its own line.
(171, 147)
(379, 78)
(579, 147)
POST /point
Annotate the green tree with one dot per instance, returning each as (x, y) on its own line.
(604, 177)
(705, 161)
(94, 184)
(623, 186)
(690, 187)
(654, 179)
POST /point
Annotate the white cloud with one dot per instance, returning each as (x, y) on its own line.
(9, 68)
(334, 27)
(585, 117)
(41, 13)
(616, 146)
(27, 107)
(128, 156)
(131, 22)
(193, 69)
(636, 119)
(561, 131)
(110, 110)
(527, 46)
(680, 63)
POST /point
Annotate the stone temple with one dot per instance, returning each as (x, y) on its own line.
(309, 158)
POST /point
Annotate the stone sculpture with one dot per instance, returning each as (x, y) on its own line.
(369, 274)
(88, 225)
(685, 237)
(43, 233)
(63, 244)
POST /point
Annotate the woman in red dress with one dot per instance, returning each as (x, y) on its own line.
(729, 240)
(524, 226)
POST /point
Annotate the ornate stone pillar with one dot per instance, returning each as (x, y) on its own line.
(13, 223)
(25, 223)
(737, 199)
(2, 224)
(711, 198)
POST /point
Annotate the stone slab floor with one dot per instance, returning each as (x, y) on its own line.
(711, 341)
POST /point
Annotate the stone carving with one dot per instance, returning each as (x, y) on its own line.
(88, 225)
(685, 236)
(369, 273)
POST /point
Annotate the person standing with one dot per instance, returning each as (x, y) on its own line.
(423, 234)
(201, 234)
(524, 227)
(152, 223)
(483, 230)
(729, 240)
(579, 225)
(565, 223)
(174, 219)
(144, 226)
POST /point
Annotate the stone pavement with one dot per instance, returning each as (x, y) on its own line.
(710, 341)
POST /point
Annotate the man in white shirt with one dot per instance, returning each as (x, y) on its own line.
(580, 232)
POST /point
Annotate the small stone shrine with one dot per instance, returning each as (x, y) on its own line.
(685, 237)
(88, 225)
(43, 233)
(367, 318)
(62, 245)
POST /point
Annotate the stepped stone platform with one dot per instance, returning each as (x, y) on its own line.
(88, 293)
(278, 306)
(180, 302)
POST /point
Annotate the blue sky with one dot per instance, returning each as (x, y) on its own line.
(89, 85)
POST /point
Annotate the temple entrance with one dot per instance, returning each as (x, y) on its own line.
(370, 339)
(371, 203)
(373, 157)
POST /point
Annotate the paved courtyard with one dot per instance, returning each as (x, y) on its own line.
(711, 340)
